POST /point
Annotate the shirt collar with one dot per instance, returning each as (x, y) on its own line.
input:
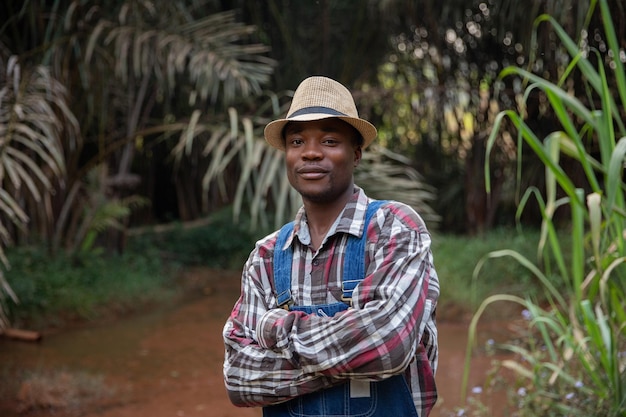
(350, 220)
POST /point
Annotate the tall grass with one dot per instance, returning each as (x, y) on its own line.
(455, 257)
(572, 359)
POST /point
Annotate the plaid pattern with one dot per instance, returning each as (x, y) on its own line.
(273, 355)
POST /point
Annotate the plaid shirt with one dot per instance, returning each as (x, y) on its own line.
(273, 355)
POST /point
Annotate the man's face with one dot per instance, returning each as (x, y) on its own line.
(320, 157)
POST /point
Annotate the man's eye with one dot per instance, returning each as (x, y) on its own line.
(295, 141)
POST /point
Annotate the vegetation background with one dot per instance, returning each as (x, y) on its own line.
(131, 130)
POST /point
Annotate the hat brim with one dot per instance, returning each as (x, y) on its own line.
(274, 130)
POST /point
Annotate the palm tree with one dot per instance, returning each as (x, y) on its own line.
(86, 87)
(34, 118)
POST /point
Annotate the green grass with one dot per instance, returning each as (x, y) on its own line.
(54, 291)
(60, 289)
(456, 257)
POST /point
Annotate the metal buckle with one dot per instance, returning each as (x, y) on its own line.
(344, 298)
(347, 300)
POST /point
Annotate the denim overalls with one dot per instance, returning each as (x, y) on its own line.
(390, 397)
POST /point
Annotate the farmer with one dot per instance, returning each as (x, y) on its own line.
(337, 309)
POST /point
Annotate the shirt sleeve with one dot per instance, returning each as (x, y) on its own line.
(253, 374)
(379, 336)
(273, 355)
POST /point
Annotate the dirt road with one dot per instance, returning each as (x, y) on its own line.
(167, 363)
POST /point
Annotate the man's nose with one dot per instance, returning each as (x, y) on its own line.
(312, 150)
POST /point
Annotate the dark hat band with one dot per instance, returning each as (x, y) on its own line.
(316, 109)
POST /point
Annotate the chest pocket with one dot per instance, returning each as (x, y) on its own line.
(353, 267)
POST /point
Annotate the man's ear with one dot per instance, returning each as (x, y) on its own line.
(358, 152)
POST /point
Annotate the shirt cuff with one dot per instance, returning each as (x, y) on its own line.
(268, 330)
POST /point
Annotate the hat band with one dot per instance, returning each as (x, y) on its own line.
(316, 109)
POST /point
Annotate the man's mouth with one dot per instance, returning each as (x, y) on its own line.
(311, 173)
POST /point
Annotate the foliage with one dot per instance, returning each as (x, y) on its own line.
(426, 81)
(147, 76)
(455, 258)
(34, 118)
(387, 175)
(59, 290)
(219, 243)
(575, 344)
(342, 39)
(434, 96)
(135, 70)
(142, 74)
(263, 188)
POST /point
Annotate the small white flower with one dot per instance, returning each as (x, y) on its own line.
(569, 396)
(579, 384)
(521, 392)
(526, 314)
(460, 413)
(477, 390)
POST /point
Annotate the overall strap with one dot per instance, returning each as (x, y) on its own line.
(353, 267)
(282, 266)
(354, 259)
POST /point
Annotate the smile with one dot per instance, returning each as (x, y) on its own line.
(311, 172)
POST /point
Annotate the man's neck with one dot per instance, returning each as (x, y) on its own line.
(321, 216)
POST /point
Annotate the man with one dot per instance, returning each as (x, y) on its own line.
(324, 326)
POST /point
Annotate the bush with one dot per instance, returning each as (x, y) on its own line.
(222, 243)
(57, 290)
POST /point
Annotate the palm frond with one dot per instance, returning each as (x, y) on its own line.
(263, 190)
(386, 175)
(100, 212)
(167, 44)
(34, 117)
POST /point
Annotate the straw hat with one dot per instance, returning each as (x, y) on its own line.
(320, 98)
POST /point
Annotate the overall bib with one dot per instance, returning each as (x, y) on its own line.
(353, 398)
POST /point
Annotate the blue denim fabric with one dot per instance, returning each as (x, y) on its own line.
(390, 397)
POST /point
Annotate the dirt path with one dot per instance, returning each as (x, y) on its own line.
(165, 364)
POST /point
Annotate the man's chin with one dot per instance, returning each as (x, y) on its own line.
(317, 197)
